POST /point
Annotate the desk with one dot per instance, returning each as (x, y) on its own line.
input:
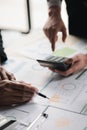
(68, 94)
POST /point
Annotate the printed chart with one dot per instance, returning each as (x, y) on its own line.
(61, 120)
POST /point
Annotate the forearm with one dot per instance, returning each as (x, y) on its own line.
(54, 3)
(54, 7)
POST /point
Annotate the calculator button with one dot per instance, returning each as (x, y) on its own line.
(53, 58)
(50, 58)
(62, 59)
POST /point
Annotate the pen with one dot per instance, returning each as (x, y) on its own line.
(81, 74)
(42, 95)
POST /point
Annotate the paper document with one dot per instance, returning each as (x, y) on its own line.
(61, 120)
(69, 93)
(24, 114)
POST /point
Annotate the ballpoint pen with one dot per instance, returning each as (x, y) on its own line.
(42, 95)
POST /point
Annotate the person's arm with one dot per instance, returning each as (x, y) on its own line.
(78, 62)
(54, 2)
(54, 23)
(3, 56)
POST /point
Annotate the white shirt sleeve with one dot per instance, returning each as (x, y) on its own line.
(54, 2)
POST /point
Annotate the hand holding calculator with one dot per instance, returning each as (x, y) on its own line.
(55, 62)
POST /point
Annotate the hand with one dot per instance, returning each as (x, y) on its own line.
(54, 25)
(15, 92)
(78, 62)
(4, 74)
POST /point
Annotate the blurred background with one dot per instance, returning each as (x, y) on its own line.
(38, 13)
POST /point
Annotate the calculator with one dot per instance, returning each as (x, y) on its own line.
(55, 62)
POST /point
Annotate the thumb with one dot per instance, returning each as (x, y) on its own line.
(72, 60)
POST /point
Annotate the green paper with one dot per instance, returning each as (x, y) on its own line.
(86, 48)
(64, 52)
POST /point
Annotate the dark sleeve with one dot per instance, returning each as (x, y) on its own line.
(54, 2)
(3, 56)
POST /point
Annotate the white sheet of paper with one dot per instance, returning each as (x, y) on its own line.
(69, 93)
(29, 71)
(24, 114)
(59, 119)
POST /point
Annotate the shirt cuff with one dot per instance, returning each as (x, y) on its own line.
(54, 3)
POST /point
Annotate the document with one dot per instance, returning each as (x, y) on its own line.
(29, 71)
(67, 93)
(24, 114)
(42, 48)
(58, 119)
